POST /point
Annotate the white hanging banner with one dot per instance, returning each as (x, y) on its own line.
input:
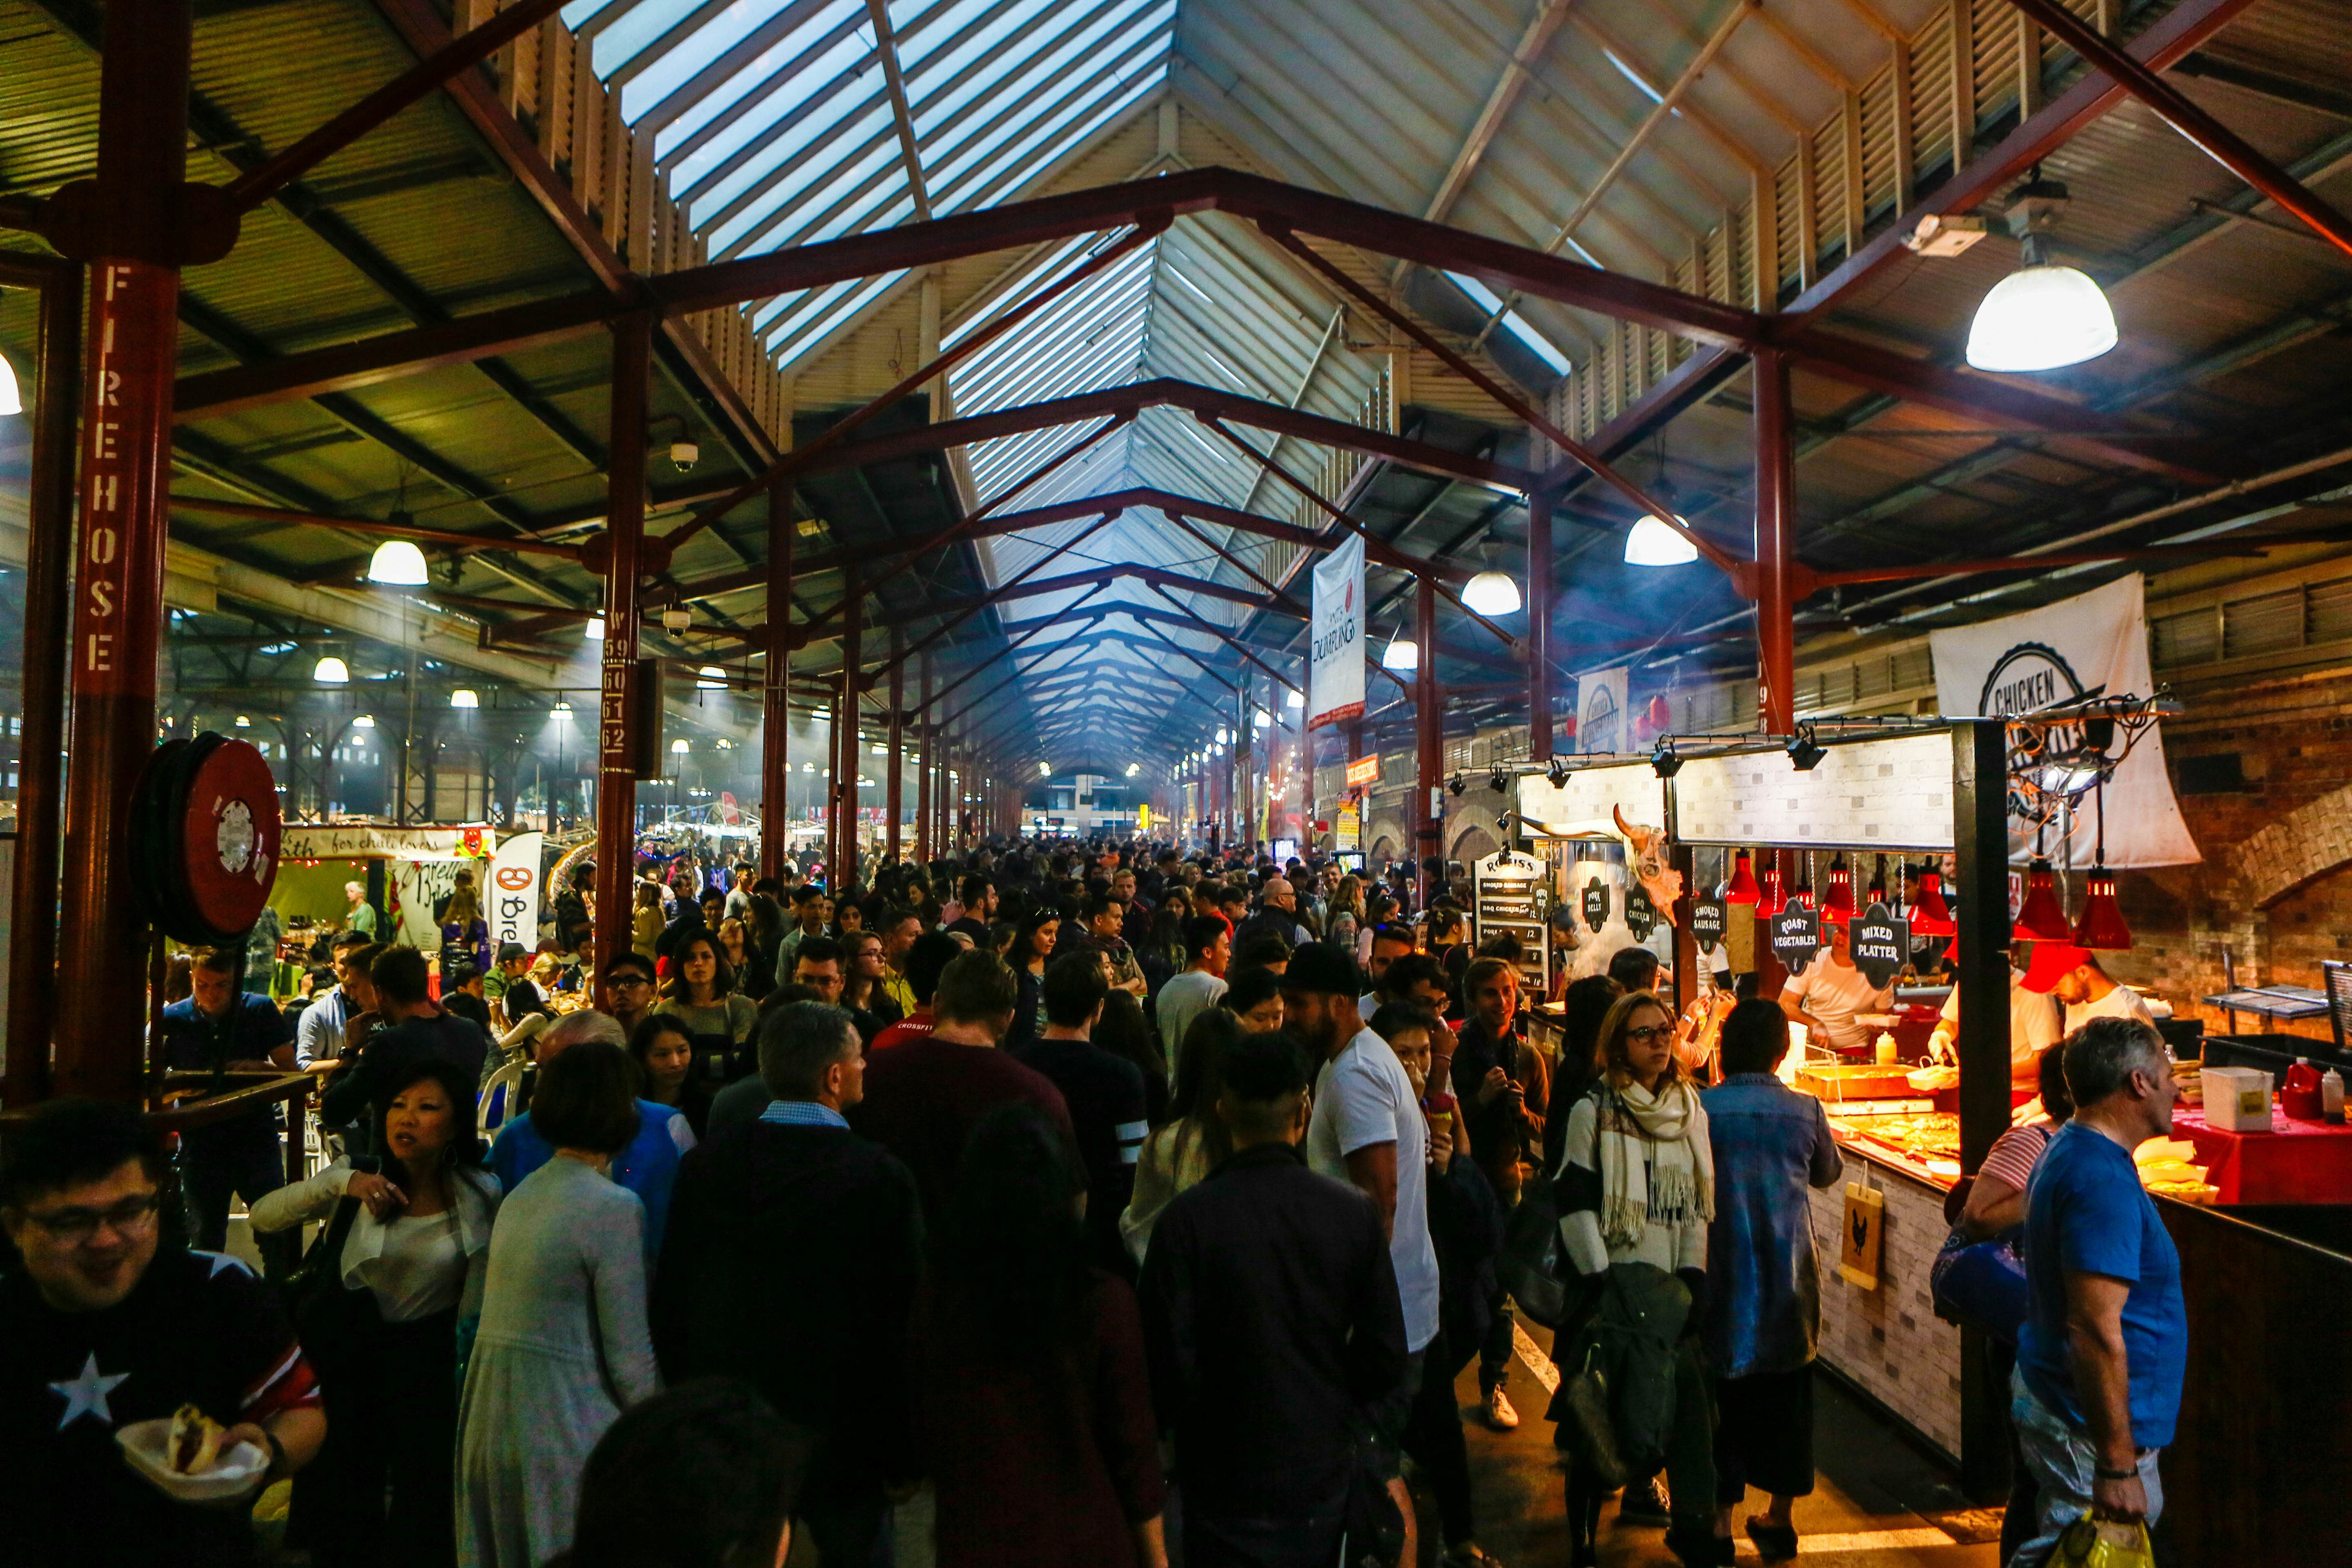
(514, 889)
(2093, 643)
(1335, 666)
(1601, 722)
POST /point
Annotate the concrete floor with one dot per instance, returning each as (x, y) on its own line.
(1879, 1502)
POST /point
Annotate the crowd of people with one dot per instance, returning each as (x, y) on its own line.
(1136, 1208)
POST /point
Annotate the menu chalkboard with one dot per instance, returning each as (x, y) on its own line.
(1709, 920)
(1596, 903)
(1796, 937)
(1881, 944)
(1640, 915)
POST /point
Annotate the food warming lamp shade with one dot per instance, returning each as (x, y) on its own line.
(1741, 888)
(2042, 917)
(1930, 916)
(2102, 926)
(1837, 899)
(1774, 898)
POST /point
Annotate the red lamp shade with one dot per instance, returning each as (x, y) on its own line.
(2043, 917)
(2102, 925)
(1930, 916)
(1741, 888)
(1773, 899)
(1837, 899)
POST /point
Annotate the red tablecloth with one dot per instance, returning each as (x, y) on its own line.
(2294, 1163)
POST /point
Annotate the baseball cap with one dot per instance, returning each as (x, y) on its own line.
(2052, 960)
(1322, 968)
(512, 950)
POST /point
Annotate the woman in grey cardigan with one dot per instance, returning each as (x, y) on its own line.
(564, 1346)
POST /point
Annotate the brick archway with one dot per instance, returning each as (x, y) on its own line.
(2296, 851)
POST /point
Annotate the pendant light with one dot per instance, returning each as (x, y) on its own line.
(2042, 917)
(2040, 317)
(465, 696)
(1491, 592)
(2102, 926)
(1837, 898)
(1930, 916)
(1653, 541)
(332, 672)
(11, 398)
(399, 563)
(1773, 897)
(595, 628)
(1403, 655)
(1741, 888)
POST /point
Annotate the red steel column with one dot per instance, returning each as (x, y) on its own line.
(925, 745)
(33, 949)
(118, 620)
(831, 794)
(775, 687)
(616, 740)
(1429, 822)
(1776, 533)
(897, 745)
(846, 759)
(1539, 627)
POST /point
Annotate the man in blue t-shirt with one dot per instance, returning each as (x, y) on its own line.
(2105, 1344)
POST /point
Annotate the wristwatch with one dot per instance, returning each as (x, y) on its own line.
(277, 1457)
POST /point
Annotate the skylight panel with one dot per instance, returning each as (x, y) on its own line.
(785, 79)
(1519, 326)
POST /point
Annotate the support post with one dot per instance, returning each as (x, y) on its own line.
(1429, 825)
(924, 747)
(616, 781)
(846, 758)
(1980, 850)
(776, 703)
(126, 407)
(831, 792)
(33, 948)
(891, 794)
(1775, 533)
(1540, 565)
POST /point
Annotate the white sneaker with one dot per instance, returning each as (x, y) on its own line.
(1499, 1411)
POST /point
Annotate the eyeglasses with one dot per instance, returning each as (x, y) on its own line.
(1649, 1032)
(75, 1226)
(618, 981)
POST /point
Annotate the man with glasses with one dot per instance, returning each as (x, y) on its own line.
(629, 989)
(220, 1029)
(99, 1328)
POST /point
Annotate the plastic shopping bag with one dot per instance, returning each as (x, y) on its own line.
(2104, 1543)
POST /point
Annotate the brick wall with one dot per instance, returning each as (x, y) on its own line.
(1889, 1340)
(2275, 886)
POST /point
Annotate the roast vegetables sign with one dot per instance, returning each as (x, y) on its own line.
(1796, 937)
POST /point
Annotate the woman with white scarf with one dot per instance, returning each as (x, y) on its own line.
(1635, 1190)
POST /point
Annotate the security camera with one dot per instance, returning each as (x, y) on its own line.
(684, 455)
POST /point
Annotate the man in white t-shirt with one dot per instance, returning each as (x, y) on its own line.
(1832, 994)
(2033, 1029)
(1367, 1130)
(2073, 975)
(1209, 941)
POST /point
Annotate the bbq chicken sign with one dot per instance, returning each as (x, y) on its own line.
(1334, 668)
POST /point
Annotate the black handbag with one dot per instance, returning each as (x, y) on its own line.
(1585, 1427)
(1374, 1529)
(312, 1293)
(1532, 1265)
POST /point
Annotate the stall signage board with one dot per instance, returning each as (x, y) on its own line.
(1882, 945)
(1335, 668)
(1350, 828)
(1796, 937)
(1640, 915)
(1596, 903)
(515, 891)
(1364, 771)
(1709, 920)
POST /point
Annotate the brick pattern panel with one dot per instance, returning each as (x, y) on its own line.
(1889, 1340)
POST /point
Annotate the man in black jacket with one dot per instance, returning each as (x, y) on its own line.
(1504, 1085)
(1272, 1320)
(790, 1260)
(1105, 1093)
(420, 1028)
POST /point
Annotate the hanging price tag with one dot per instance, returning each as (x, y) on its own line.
(1709, 920)
(1881, 944)
(1796, 937)
(1596, 903)
(1640, 915)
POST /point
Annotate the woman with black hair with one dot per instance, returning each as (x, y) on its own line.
(1124, 1031)
(1033, 945)
(664, 1050)
(700, 995)
(406, 1261)
(1031, 1402)
(1194, 1139)
(564, 1346)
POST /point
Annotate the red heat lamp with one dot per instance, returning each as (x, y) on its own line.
(2102, 926)
(1741, 888)
(1774, 896)
(1930, 916)
(1837, 899)
(2042, 917)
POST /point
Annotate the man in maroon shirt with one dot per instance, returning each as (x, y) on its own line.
(924, 1096)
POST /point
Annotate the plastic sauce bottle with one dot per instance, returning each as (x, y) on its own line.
(2300, 1097)
(1886, 1049)
(2331, 1096)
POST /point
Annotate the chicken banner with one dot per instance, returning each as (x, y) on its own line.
(2094, 644)
(1335, 666)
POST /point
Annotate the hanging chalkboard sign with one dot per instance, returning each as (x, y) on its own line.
(1709, 920)
(1596, 903)
(1640, 915)
(1881, 944)
(1796, 937)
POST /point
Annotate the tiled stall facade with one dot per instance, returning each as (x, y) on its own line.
(1889, 1340)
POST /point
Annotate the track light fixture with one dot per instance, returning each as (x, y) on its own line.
(1556, 772)
(1662, 759)
(1498, 780)
(1804, 750)
(1454, 783)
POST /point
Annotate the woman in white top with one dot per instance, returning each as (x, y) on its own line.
(564, 1346)
(384, 1333)
(1193, 1140)
(1636, 1192)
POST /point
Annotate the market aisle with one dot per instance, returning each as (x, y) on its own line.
(1878, 1504)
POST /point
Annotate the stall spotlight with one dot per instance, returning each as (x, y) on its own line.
(1454, 783)
(1663, 761)
(1498, 780)
(1804, 750)
(1557, 772)
(332, 672)
(465, 696)
(399, 563)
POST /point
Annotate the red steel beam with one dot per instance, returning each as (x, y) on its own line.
(519, 544)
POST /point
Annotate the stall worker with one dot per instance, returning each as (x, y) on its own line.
(2073, 975)
(2033, 1028)
(1830, 996)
